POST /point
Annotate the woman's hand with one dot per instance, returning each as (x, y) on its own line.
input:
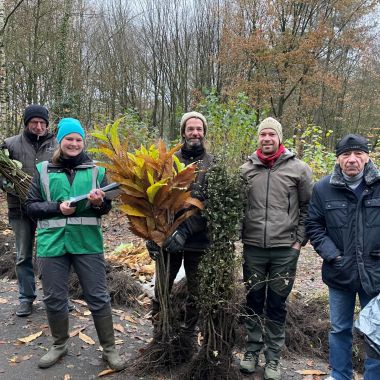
(95, 197)
(66, 209)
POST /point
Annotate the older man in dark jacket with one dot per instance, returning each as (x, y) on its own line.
(34, 144)
(344, 228)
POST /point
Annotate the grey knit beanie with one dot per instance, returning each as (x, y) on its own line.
(189, 115)
(271, 123)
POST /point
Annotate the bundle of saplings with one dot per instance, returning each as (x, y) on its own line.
(13, 178)
(218, 298)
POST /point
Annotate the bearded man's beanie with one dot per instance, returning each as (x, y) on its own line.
(190, 115)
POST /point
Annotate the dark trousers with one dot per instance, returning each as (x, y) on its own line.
(91, 272)
(24, 231)
(191, 260)
(269, 275)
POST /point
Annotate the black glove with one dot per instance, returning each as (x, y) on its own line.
(175, 242)
(153, 249)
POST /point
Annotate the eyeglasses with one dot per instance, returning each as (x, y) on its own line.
(36, 123)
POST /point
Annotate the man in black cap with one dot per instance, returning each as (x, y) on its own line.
(344, 227)
(34, 144)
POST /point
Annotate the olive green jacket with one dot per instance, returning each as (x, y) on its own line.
(277, 201)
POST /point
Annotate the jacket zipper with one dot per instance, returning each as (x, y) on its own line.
(266, 210)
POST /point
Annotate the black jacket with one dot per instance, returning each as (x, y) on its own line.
(195, 227)
(341, 224)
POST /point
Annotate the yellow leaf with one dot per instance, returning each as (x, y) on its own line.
(106, 372)
(152, 190)
(100, 136)
(114, 136)
(86, 338)
(30, 338)
(129, 210)
(3, 300)
(178, 164)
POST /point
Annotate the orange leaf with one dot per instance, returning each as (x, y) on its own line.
(86, 338)
(195, 202)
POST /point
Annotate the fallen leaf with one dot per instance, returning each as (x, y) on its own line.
(87, 312)
(199, 339)
(29, 338)
(118, 327)
(80, 302)
(3, 300)
(76, 331)
(119, 341)
(67, 377)
(128, 318)
(106, 372)
(86, 338)
(26, 357)
(311, 372)
(310, 363)
(14, 359)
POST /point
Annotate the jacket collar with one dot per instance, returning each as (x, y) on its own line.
(371, 175)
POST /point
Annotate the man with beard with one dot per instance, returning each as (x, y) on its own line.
(189, 241)
(33, 145)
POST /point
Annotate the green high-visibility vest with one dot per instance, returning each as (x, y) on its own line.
(79, 233)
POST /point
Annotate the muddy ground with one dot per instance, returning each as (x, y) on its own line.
(132, 327)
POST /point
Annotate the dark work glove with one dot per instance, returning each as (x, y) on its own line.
(153, 249)
(175, 242)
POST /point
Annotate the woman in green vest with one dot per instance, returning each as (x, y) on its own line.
(70, 235)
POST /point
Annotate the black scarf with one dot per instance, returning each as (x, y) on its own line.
(193, 153)
(72, 162)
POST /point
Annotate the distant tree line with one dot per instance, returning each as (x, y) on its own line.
(311, 62)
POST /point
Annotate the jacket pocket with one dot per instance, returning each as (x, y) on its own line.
(336, 213)
(375, 253)
(372, 212)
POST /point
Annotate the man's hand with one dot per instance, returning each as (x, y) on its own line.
(175, 242)
(297, 246)
(153, 249)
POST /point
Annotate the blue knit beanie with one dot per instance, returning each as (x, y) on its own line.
(69, 125)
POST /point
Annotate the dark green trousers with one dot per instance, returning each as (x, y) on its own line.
(269, 277)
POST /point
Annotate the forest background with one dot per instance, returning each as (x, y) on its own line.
(314, 65)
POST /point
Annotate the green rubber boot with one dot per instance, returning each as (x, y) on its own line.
(104, 328)
(60, 332)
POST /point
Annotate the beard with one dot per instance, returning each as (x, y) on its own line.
(193, 143)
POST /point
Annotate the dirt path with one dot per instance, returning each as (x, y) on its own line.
(19, 360)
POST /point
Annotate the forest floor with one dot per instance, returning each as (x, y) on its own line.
(18, 360)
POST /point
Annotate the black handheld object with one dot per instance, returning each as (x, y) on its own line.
(74, 200)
